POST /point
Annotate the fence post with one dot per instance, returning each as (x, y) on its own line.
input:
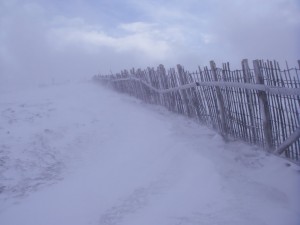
(220, 101)
(161, 80)
(184, 94)
(263, 105)
(247, 79)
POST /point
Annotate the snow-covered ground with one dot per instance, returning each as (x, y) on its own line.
(80, 154)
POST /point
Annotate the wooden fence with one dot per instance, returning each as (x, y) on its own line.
(259, 105)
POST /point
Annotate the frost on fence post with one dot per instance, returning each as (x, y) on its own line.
(184, 93)
(263, 106)
(162, 84)
(223, 127)
(250, 104)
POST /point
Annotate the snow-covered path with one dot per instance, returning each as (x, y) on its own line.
(79, 154)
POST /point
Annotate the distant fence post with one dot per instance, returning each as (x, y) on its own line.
(219, 100)
(264, 106)
(162, 85)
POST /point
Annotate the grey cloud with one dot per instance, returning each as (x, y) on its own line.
(39, 43)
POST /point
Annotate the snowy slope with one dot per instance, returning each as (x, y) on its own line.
(78, 154)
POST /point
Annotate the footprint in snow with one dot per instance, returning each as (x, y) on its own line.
(138, 199)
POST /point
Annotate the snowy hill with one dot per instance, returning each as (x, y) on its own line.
(79, 154)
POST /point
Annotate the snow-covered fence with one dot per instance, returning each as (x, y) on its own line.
(260, 106)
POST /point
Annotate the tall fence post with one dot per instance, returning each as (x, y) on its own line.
(184, 94)
(247, 79)
(263, 105)
(161, 79)
(220, 101)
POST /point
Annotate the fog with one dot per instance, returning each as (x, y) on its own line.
(42, 42)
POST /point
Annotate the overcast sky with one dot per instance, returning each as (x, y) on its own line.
(43, 39)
